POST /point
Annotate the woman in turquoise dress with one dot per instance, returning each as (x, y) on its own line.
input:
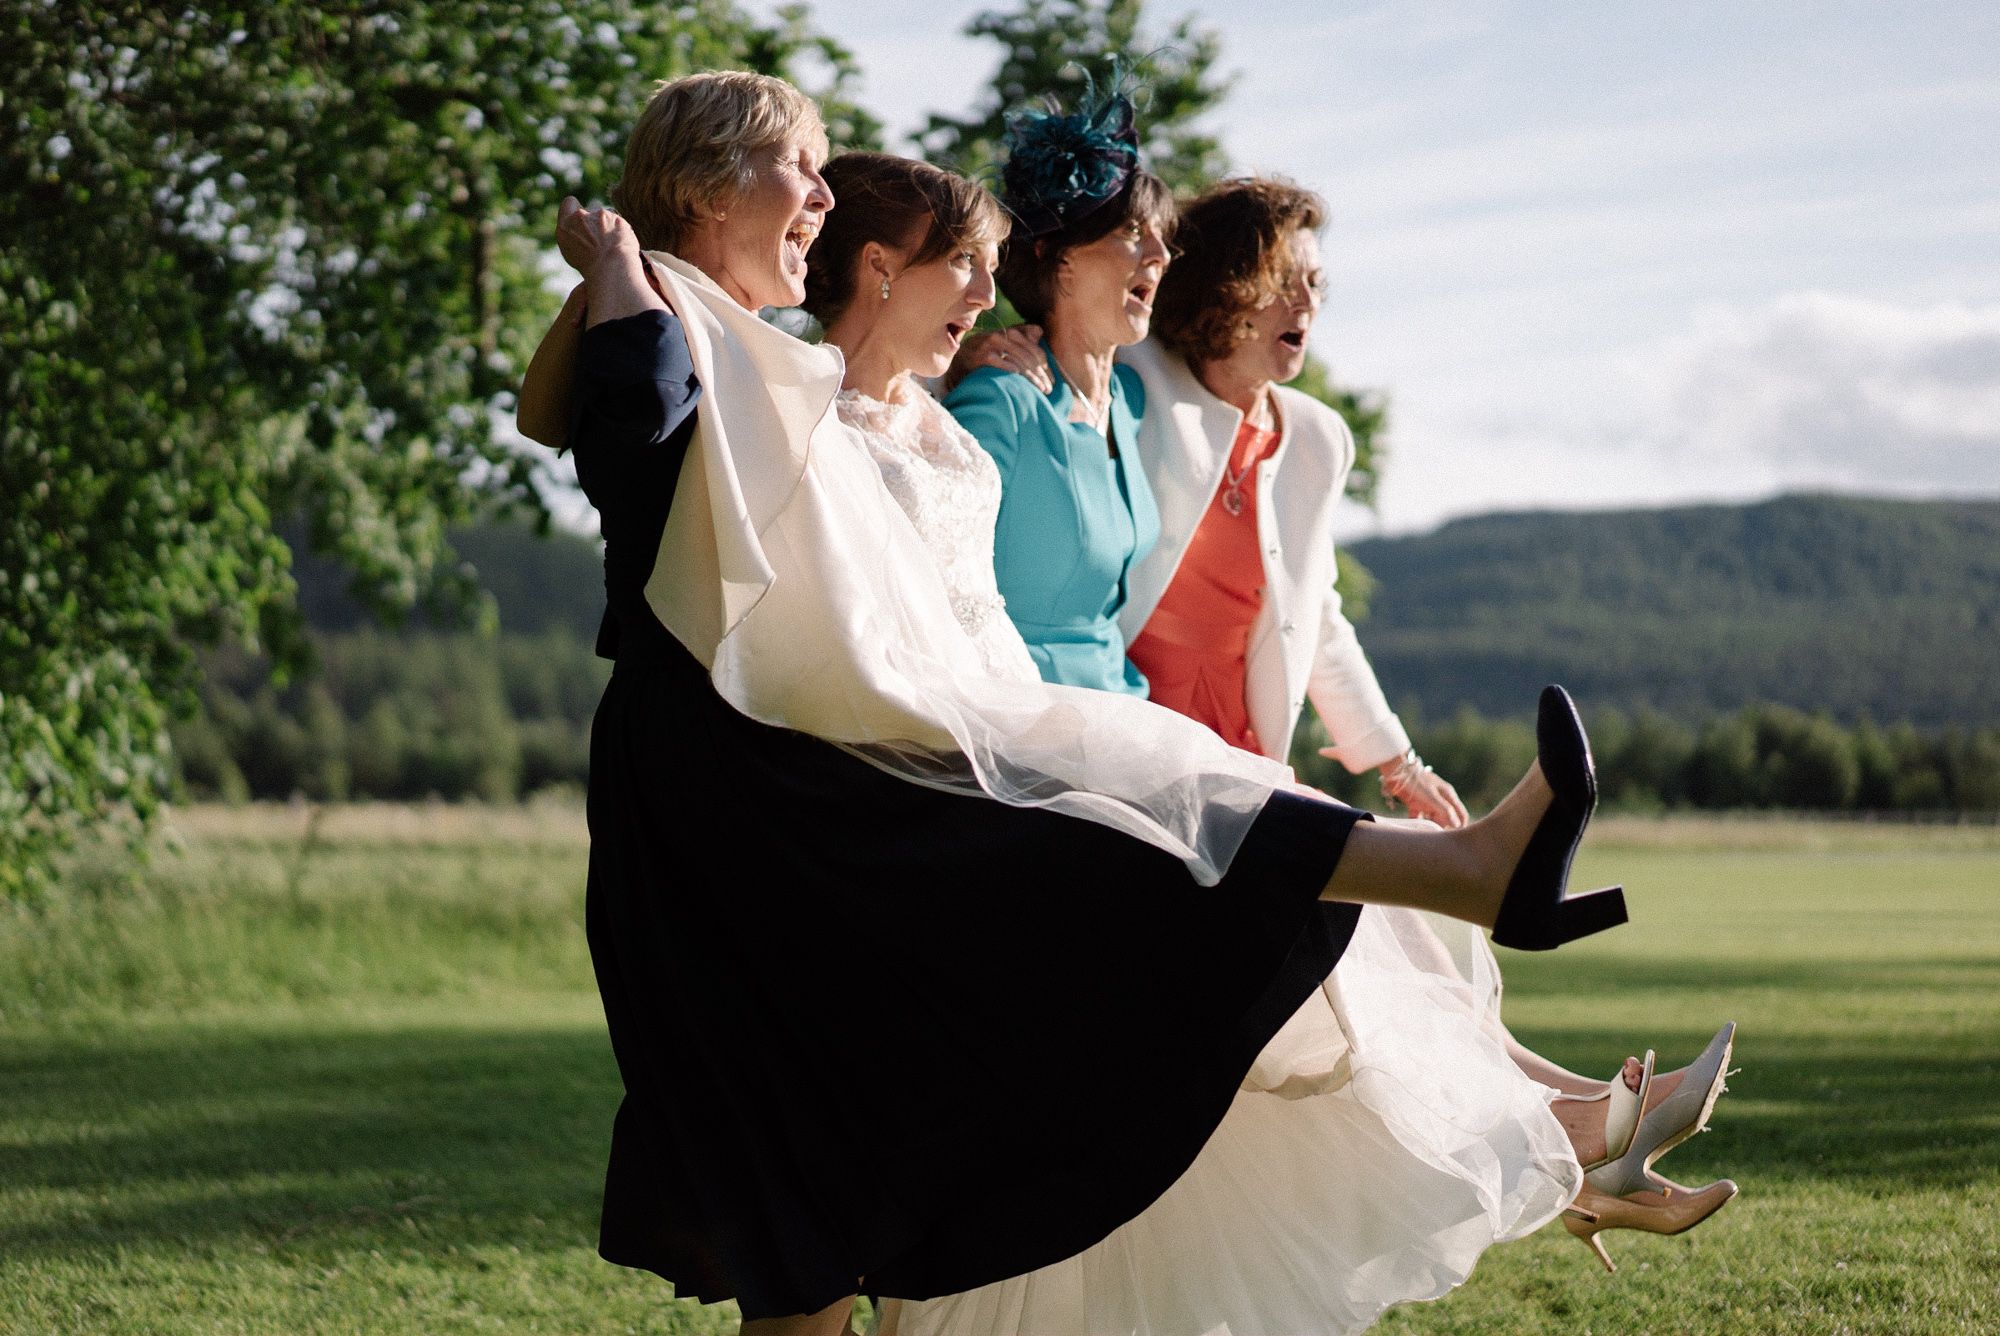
(1077, 513)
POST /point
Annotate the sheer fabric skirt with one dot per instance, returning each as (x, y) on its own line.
(1380, 1143)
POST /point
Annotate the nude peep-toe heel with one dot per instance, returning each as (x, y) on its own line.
(1661, 1207)
(1622, 1109)
(1671, 1121)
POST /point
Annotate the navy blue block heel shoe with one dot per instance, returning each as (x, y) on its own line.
(1534, 914)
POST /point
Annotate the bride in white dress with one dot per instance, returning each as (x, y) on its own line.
(950, 489)
(1384, 1139)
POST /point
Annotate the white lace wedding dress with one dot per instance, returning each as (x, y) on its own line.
(950, 489)
(1382, 1140)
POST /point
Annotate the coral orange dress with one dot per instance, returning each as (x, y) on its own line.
(1194, 648)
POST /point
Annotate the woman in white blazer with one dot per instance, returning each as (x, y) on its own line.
(1299, 646)
(1234, 617)
(1248, 474)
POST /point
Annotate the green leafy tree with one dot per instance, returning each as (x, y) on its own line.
(270, 262)
(1875, 762)
(1050, 44)
(1723, 770)
(1649, 766)
(1807, 763)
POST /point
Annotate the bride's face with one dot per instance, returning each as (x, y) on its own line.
(768, 228)
(931, 307)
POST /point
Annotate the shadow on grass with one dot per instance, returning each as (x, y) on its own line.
(322, 1138)
(306, 1138)
(1887, 1095)
(1804, 977)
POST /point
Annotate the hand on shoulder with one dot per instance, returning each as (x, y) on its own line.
(1016, 350)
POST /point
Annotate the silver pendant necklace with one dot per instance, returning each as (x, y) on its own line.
(1233, 479)
(1099, 413)
(1232, 493)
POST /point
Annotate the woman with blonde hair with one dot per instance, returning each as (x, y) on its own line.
(1082, 916)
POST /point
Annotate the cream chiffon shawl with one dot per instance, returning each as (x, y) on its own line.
(788, 570)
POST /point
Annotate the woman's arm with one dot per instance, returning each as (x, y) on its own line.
(1018, 348)
(1365, 732)
(602, 247)
(543, 411)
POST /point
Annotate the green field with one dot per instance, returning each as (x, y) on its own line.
(346, 1073)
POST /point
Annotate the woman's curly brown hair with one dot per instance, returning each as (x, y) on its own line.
(1235, 256)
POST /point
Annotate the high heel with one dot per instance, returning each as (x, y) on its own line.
(1534, 915)
(1661, 1207)
(1673, 1120)
(1622, 1111)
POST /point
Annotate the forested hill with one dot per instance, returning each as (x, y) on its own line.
(1889, 609)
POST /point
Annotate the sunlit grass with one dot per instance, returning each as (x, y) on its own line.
(1862, 965)
(360, 1083)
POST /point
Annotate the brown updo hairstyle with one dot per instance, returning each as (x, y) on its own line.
(1235, 244)
(1028, 265)
(897, 202)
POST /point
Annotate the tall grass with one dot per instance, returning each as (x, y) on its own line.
(271, 906)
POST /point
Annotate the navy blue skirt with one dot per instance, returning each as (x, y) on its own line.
(878, 1038)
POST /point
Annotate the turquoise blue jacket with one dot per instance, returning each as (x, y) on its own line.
(1073, 520)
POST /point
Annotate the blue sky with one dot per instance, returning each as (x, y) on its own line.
(1614, 254)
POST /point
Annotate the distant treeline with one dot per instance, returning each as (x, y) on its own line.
(1855, 607)
(1763, 757)
(398, 716)
(463, 716)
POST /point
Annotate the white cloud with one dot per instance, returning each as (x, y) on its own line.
(1810, 390)
(1599, 255)
(1841, 391)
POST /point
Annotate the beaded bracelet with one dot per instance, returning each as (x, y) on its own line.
(1399, 777)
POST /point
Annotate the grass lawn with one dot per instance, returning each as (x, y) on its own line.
(347, 1074)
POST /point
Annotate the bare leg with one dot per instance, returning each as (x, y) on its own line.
(1583, 1119)
(1459, 873)
(1561, 1078)
(1585, 1125)
(828, 1321)
(890, 1322)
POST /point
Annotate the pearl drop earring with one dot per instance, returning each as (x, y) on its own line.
(885, 289)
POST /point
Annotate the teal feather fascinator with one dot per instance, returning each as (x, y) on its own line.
(1061, 167)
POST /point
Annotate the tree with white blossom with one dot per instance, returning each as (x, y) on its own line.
(276, 265)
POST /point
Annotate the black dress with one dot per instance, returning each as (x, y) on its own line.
(877, 1037)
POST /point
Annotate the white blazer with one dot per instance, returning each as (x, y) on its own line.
(1301, 645)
